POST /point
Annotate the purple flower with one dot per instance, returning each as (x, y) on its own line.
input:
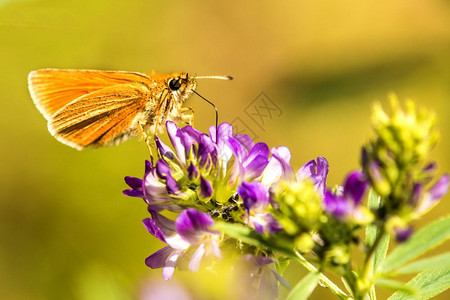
(166, 257)
(317, 172)
(190, 230)
(156, 189)
(342, 204)
(403, 234)
(428, 199)
(181, 141)
(205, 188)
(194, 227)
(256, 201)
(164, 172)
(253, 164)
(278, 166)
(255, 195)
(136, 187)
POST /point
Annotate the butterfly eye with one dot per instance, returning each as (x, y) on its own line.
(174, 84)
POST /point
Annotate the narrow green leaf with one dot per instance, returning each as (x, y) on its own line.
(240, 232)
(380, 252)
(429, 263)
(346, 285)
(427, 284)
(425, 239)
(305, 287)
(372, 293)
(373, 231)
(249, 236)
(395, 285)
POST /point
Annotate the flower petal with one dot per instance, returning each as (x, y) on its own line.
(254, 195)
(172, 185)
(158, 259)
(256, 161)
(163, 149)
(162, 168)
(440, 188)
(403, 234)
(255, 168)
(175, 138)
(317, 172)
(136, 187)
(192, 132)
(164, 224)
(206, 148)
(192, 224)
(355, 186)
(278, 166)
(205, 188)
(246, 142)
(194, 263)
(151, 226)
(166, 258)
(307, 170)
(192, 172)
(436, 192)
(336, 206)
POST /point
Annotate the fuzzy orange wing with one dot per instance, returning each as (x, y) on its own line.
(51, 89)
(100, 118)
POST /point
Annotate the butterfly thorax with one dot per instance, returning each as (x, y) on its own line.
(167, 95)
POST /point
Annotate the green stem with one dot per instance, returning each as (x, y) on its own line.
(322, 278)
(367, 270)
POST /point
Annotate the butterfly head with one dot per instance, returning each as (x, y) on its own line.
(182, 86)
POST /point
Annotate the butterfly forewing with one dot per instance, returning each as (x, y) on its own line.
(100, 118)
(52, 89)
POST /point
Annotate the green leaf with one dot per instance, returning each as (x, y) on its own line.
(305, 287)
(283, 263)
(372, 231)
(395, 285)
(380, 252)
(251, 237)
(427, 284)
(422, 241)
(429, 263)
(240, 232)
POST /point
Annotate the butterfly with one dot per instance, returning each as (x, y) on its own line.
(102, 108)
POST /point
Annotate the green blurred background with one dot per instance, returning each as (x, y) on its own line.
(66, 230)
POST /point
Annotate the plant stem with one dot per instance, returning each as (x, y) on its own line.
(367, 270)
(322, 278)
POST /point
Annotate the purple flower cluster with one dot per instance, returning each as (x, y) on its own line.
(204, 179)
(225, 177)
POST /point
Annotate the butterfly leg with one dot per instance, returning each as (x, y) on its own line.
(147, 141)
(187, 115)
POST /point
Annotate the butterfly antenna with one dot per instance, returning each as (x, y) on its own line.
(215, 108)
(221, 77)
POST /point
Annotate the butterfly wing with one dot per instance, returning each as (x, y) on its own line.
(100, 118)
(51, 89)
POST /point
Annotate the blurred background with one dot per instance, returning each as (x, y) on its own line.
(66, 230)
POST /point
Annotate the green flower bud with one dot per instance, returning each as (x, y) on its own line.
(299, 207)
(304, 242)
(394, 158)
(338, 254)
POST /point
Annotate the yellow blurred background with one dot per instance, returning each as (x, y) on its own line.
(66, 230)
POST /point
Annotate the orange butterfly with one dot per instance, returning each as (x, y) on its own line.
(101, 108)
